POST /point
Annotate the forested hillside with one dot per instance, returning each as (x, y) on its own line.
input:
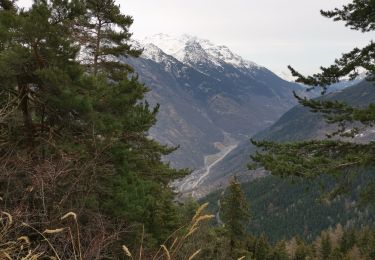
(282, 209)
(73, 127)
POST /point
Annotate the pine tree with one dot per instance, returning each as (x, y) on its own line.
(38, 71)
(46, 155)
(7, 4)
(279, 252)
(73, 132)
(325, 247)
(303, 251)
(261, 248)
(104, 33)
(337, 255)
(332, 156)
(348, 241)
(236, 214)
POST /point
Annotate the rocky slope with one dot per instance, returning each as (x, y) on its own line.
(209, 96)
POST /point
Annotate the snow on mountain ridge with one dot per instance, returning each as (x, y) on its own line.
(181, 48)
(194, 54)
(168, 44)
(152, 52)
(223, 53)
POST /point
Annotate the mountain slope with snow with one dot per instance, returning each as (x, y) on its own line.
(191, 50)
(209, 96)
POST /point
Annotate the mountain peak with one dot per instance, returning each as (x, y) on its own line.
(191, 48)
(152, 52)
(170, 45)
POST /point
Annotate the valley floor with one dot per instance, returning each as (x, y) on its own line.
(190, 185)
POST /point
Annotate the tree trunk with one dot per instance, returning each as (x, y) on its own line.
(27, 119)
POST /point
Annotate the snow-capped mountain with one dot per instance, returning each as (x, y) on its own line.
(211, 99)
(192, 50)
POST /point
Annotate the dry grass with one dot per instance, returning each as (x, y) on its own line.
(22, 241)
(40, 192)
(18, 248)
(24, 248)
(170, 249)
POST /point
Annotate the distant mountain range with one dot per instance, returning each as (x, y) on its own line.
(211, 98)
(311, 125)
(296, 124)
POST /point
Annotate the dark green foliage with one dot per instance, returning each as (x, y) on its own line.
(347, 241)
(261, 248)
(235, 213)
(37, 68)
(73, 132)
(325, 247)
(279, 252)
(283, 208)
(303, 250)
(368, 193)
(312, 158)
(342, 114)
(104, 32)
(7, 4)
(333, 243)
(217, 244)
(337, 255)
(358, 15)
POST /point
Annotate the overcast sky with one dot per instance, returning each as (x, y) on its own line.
(272, 33)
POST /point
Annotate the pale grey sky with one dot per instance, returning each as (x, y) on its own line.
(272, 33)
